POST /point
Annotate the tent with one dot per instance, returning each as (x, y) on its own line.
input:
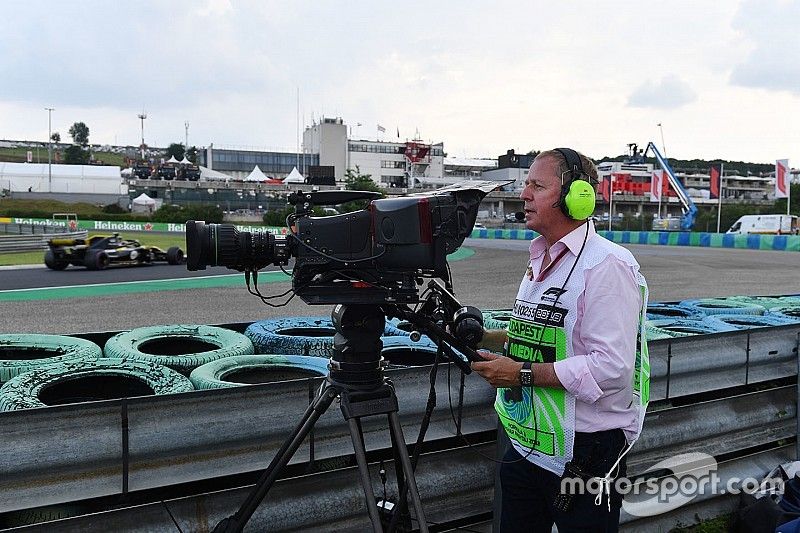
(294, 177)
(143, 203)
(185, 161)
(172, 160)
(256, 175)
(213, 175)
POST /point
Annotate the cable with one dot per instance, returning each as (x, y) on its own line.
(332, 258)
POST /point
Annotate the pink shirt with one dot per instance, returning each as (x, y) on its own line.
(600, 372)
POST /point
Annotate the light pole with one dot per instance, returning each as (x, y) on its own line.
(142, 116)
(186, 138)
(663, 146)
(49, 149)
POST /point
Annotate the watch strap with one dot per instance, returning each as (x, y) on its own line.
(526, 374)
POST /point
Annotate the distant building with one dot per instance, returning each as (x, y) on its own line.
(239, 163)
(511, 166)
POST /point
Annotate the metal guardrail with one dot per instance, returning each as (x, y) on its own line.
(75, 452)
(35, 241)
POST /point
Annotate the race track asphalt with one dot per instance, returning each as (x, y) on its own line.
(488, 279)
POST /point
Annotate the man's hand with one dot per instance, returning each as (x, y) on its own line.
(498, 370)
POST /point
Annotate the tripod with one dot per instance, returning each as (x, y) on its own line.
(356, 377)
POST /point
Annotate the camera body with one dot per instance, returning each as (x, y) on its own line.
(373, 256)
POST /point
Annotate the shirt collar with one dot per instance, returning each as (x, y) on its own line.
(572, 240)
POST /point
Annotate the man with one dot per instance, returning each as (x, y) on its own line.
(574, 341)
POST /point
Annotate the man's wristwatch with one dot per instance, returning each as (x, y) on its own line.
(526, 375)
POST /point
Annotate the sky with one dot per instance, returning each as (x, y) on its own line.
(721, 77)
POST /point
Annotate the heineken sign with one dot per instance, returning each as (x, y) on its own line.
(124, 225)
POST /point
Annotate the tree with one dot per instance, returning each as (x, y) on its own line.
(175, 150)
(55, 137)
(79, 133)
(75, 155)
(191, 154)
(354, 180)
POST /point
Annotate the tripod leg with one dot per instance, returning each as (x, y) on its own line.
(411, 483)
(235, 523)
(366, 482)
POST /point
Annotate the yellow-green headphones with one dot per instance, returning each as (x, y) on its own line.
(577, 199)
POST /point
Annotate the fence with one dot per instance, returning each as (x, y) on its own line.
(732, 395)
(27, 237)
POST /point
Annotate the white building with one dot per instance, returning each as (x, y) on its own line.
(391, 164)
(87, 179)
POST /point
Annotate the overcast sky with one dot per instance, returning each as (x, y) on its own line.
(722, 77)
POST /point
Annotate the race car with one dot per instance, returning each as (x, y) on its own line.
(100, 251)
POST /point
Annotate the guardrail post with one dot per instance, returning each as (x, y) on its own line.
(747, 361)
(797, 408)
(669, 367)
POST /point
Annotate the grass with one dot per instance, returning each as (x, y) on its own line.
(162, 240)
(83, 209)
(20, 155)
(720, 524)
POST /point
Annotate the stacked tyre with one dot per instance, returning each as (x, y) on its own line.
(310, 336)
(179, 347)
(21, 353)
(89, 380)
(242, 370)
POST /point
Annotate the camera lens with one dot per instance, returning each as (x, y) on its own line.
(224, 245)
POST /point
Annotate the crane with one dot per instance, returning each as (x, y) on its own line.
(687, 205)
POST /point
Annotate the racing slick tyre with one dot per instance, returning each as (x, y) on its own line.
(20, 353)
(496, 319)
(174, 256)
(96, 260)
(180, 347)
(682, 327)
(722, 306)
(307, 335)
(789, 312)
(747, 321)
(251, 369)
(402, 351)
(85, 381)
(658, 311)
(52, 263)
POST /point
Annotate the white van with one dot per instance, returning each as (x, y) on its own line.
(766, 224)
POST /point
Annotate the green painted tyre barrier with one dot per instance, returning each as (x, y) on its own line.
(681, 327)
(789, 312)
(20, 353)
(747, 321)
(496, 318)
(764, 301)
(90, 380)
(180, 347)
(661, 311)
(303, 335)
(722, 306)
(250, 369)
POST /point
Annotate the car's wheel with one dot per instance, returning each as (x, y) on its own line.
(84, 381)
(252, 369)
(96, 260)
(310, 335)
(20, 353)
(53, 262)
(174, 256)
(181, 347)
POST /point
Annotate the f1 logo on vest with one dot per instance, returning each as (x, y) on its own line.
(552, 294)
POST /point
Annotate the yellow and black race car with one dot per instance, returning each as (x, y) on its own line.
(100, 251)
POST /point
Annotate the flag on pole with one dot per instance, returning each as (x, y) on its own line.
(782, 178)
(715, 174)
(656, 185)
(381, 129)
(605, 187)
